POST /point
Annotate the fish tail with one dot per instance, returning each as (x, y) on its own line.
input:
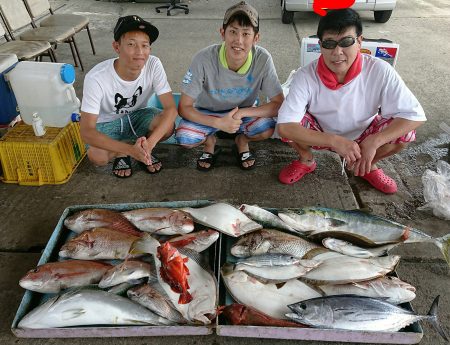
(432, 316)
(444, 245)
(185, 298)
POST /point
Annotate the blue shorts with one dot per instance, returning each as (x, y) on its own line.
(131, 126)
(191, 133)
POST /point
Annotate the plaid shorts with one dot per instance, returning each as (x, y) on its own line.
(131, 126)
(189, 132)
(378, 124)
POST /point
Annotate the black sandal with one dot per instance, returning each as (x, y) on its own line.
(155, 160)
(245, 157)
(209, 158)
(122, 163)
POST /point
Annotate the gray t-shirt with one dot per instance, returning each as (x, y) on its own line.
(217, 88)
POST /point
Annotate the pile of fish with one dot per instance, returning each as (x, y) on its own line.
(323, 268)
(308, 267)
(124, 269)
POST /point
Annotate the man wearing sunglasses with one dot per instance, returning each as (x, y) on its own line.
(115, 120)
(351, 103)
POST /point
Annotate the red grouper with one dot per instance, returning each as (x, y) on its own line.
(174, 271)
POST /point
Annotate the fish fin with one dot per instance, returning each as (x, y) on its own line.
(72, 313)
(314, 252)
(147, 244)
(360, 286)
(433, 318)
(280, 285)
(444, 244)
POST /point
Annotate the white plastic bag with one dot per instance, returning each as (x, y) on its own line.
(285, 86)
(436, 190)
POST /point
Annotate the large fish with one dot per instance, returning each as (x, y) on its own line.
(202, 286)
(100, 218)
(102, 243)
(154, 298)
(52, 277)
(127, 271)
(269, 299)
(161, 221)
(174, 271)
(239, 314)
(272, 241)
(343, 269)
(275, 268)
(359, 313)
(198, 241)
(89, 307)
(392, 289)
(225, 218)
(264, 217)
(357, 227)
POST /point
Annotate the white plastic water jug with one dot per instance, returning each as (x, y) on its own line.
(45, 88)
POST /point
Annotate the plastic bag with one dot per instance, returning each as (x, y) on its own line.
(436, 190)
(285, 86)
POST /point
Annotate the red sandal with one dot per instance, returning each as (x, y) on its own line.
(295, 171)
(378, 179)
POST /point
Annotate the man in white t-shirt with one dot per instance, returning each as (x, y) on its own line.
(114, 111)
(351, 103)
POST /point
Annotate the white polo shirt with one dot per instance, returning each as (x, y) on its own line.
(349, 110)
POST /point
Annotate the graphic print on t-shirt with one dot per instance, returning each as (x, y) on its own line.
(123, 102)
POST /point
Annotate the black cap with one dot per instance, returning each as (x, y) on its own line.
(135, 23)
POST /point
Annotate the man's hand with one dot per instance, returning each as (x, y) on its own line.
(368, 151)
(239, 114)
(347, 149)
(140, 151)
(228, 123)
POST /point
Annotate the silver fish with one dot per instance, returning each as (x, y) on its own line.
(266, 298)
(346, 269)
(89, 307)
(155, 299)
(359, 313)
(358, 228)
(225, 218)
(161, 221)
(127, 271)
(392, 289)
(52, 277)
(264, 217)
(275, 268)
(349, 249)
(272, 241)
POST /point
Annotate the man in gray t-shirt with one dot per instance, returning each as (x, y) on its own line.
(221, 87)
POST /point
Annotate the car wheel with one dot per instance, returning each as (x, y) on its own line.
(382, 16)
(287, 17)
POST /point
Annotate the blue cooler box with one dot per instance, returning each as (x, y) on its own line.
(8, 110)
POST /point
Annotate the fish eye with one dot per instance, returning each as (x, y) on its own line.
(303, 306)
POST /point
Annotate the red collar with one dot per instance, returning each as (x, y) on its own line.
(329, 78)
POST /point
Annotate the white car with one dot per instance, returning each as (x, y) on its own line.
(382, 9)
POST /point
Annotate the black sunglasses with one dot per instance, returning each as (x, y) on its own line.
(343, 43)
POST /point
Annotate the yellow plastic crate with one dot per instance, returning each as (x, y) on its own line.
(34, 161)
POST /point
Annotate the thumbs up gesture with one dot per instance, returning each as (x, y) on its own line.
(228, 123)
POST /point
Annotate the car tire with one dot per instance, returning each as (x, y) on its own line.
(382, 16)
(287, 17)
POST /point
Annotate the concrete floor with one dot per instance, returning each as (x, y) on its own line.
(29, 214)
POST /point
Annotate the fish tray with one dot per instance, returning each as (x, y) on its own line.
(408, 335)
(59, 236)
